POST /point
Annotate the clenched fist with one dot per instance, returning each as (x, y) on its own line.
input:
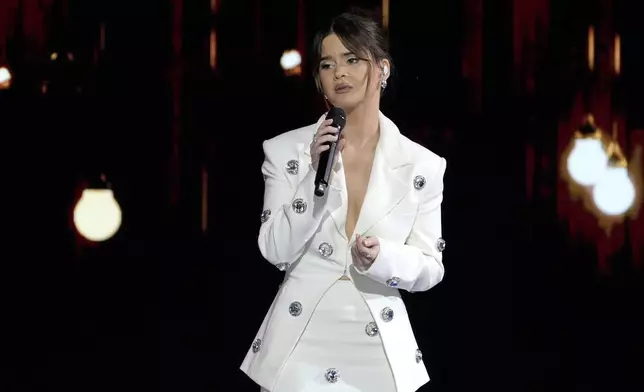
(364, 252)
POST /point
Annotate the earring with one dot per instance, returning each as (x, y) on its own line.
(326, 97)
(383, 83)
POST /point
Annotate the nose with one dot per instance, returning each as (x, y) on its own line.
(339, 72)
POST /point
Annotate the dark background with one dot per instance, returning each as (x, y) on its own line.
(163, 306)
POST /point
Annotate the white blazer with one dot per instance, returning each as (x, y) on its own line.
(304, 236)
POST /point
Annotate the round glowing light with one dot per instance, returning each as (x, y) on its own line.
(587, 162)
(5, 78)
(290, 60)
(614, 194)
(97, 215)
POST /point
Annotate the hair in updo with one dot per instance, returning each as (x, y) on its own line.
(359, 33)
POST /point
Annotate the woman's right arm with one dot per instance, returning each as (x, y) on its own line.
(291, 214)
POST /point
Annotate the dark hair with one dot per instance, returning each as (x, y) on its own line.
(359, 33)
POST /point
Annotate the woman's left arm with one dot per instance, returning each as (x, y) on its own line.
(416, 265)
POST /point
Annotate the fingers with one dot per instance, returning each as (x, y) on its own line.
(361, 248)
(321, 144)
(358, 247)
(367, 242)
(370, 242)
(321, 148)
(326, 138)
(359, 259)
(325, 134)
(325, 128)
(359, 243)
(364, 255)
(354, 253)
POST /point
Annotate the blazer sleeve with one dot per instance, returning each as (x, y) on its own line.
(416, 265)
(291, 214)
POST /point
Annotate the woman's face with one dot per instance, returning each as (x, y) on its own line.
(344, 77)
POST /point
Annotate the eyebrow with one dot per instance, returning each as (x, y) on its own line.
(345, 54)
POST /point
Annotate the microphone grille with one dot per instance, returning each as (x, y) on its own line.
(339, 116)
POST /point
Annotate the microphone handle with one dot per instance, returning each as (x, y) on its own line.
(325, 168)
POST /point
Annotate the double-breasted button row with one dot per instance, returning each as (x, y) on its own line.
(332, 375)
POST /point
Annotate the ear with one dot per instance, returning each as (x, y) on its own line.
(385, 69)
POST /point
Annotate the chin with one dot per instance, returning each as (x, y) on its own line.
(345, 103)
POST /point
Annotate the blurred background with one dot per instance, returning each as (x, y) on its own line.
(132, 131)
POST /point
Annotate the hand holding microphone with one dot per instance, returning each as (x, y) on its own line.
(325, 135)
(325, 148)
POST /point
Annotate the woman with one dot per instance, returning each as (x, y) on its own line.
(338, 322)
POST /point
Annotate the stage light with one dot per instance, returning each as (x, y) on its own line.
(97, 215)
(588, 161)
(5, 78)
(291, 62)
(614, 193)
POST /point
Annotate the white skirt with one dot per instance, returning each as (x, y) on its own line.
(336, 338)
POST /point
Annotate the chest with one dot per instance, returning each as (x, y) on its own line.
(357, 172)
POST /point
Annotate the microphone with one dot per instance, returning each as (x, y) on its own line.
(327, 157)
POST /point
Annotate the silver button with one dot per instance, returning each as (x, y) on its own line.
(257, 344)
(282, 266)
(265, 215)
(387, 314)
(295, 309)
(299, 206)
(371, 329)
(393, 281)
(292, 166)
(325, 249)
(264, 176)
(419, 182)
(332, 375)
(440, 244)
(419, 356)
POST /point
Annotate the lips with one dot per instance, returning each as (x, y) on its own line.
(343, 88)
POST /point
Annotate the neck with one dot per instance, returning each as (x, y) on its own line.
(363, 125)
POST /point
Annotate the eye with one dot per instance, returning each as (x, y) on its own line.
(353, 60)
(325, 66)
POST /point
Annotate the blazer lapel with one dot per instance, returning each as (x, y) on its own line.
(389, 180)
